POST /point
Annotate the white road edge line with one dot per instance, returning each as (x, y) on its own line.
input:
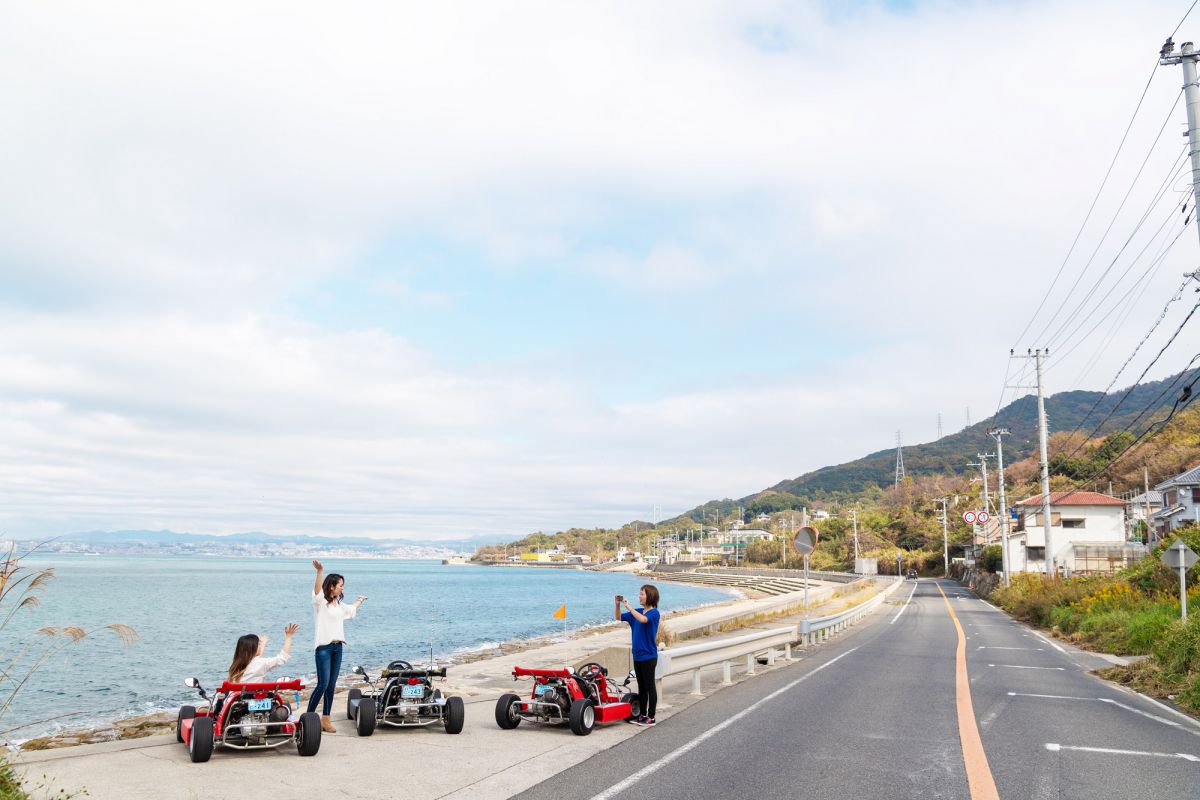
(1166, 707)
(1052, 644)
(1054, 748)
(1014, 666)
(906, 602)
(617, 788)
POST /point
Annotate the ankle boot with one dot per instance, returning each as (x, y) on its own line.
(327, 725)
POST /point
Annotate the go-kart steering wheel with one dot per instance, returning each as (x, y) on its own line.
(591, 671)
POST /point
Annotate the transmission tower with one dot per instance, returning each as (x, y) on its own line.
(939, 425)
(899, 461)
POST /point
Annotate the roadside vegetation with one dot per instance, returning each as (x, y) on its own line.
(1134, 612)
(20, 589)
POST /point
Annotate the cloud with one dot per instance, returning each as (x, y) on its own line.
(854, 209)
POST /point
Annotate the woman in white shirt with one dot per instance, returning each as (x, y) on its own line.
(329, 613)
(250, 665)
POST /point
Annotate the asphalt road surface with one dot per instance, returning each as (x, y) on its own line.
(886, 712)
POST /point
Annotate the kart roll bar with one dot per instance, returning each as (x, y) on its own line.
(414, 673)
(523, 672)
(268, 686)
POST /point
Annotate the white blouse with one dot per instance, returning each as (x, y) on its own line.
(259, 666)
(328, 619)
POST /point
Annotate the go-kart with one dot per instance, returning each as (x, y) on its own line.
(581, 699)
(247, 716)
(403, 696)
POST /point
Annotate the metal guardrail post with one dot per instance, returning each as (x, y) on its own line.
(727, 673)
(750, 664)
(696, 681)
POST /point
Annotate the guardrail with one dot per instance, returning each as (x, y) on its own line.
(695, 657)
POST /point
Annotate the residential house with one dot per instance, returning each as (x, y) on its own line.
(1087, 530)
(1180, 501)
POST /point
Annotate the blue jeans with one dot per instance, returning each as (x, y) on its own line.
(329, 664)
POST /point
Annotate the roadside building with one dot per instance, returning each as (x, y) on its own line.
(1087, 530)
(1180, 502)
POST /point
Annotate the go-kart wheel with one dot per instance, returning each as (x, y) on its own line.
(454, 715)
(308, 734)
(364, 717)
(200, 743)
(506, 713)
(187, 712)
(582, 717)
(354, 694)
(635, 708)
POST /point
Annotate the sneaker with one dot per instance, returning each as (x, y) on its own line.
(637, 720)
(648, 722)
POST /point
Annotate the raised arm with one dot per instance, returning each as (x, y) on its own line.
(320, 573)
(636, 614)
(617, 609)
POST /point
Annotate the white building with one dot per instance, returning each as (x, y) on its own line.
(1087, 530)
(1180, 501)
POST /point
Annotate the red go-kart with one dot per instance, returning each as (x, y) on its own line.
(581, 699)
(247, 716)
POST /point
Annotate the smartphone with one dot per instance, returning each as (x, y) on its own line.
(620, 598)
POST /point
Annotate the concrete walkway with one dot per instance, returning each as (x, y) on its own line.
(481, 762)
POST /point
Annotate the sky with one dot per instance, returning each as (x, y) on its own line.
(436, 270)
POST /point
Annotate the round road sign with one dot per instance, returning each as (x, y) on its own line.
(982, 517)
(969, 517)
(805, 540)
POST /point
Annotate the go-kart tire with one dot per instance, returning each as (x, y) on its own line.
(505, 717)
(364, 717)
(582, 717)
(635, 708)
(455, 714)
(355, 694)
(187, 712)
(200, 743)
(308, 734)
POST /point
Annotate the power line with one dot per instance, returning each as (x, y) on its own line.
(1087, 265)
(1091, 208)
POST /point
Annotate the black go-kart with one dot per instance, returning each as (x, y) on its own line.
(403, 696)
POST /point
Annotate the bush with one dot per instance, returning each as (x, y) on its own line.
(1178, 650)
(992, 558)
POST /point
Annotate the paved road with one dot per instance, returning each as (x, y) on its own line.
(886, 713)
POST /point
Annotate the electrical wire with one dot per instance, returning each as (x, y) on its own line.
(1092, 207)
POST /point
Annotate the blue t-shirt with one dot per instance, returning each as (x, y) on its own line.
(644, 634)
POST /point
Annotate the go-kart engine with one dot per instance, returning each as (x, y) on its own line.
(255, 725)
(559, 696)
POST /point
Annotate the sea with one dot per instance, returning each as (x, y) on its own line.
(189, 611)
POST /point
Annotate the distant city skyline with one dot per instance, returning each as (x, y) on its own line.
(433, 271)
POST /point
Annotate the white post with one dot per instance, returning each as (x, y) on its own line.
(750, 665)
(726, 674)
(806, 583)
(1183, 588)
(696, 682)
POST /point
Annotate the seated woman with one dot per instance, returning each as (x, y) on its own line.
(250, 665)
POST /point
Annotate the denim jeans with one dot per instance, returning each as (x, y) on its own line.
(329, 664)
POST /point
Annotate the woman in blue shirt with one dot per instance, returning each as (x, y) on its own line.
(643, 621)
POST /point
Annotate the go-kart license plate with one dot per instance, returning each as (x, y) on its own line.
(412, 691)
(258, 705)
(540, 689)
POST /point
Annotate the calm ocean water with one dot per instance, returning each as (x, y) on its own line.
(189, 612)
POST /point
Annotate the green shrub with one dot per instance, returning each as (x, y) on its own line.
(992, 558)
(1178, 649)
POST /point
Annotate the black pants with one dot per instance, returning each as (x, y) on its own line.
(647, 690)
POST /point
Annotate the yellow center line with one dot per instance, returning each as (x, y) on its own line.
(979, 774)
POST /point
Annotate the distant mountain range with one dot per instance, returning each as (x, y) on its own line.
(171, 538)
(1066, 411)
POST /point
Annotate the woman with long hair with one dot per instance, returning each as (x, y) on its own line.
(250, 665)
(643, 623)
(329, 614)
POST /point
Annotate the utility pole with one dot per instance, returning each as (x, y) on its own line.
(854, 520)
(1187, 58)
(945, 535)
(1043, 436)
(999, 433)
(1146, 500)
